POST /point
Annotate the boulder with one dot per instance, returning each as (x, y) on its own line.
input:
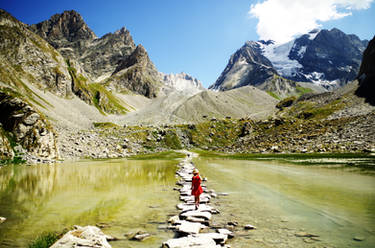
(88, 236)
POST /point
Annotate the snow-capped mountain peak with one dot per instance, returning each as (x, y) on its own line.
(326, 57)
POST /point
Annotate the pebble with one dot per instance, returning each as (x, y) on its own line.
(305, 234)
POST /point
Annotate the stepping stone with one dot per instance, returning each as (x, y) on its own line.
(190, 241)
(217, 237)
(198, 220)
(188, 227)
(191, 207)
(174, 219)
(196, 214)
(225, 232)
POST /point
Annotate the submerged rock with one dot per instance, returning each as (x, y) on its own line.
(2, 219)
(140, 236)
(249, 227)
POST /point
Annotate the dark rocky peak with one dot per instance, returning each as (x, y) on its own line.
(120, 36)
(62, 28)
(366, 75)
(314, 31)
(6, 19)
(267, 42)
(139, 57)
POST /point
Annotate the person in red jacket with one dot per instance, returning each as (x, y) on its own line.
(196, 188)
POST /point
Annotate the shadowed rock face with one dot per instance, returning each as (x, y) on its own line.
(28, 127)
(332, 52)
(366, 75)
(137, 73)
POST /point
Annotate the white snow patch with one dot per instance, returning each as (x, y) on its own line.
(301, 51)
(279, 57)
(313, 34)
(319, 79)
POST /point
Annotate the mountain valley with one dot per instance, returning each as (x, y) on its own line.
(67, 94)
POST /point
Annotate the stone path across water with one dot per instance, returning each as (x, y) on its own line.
(192, 226)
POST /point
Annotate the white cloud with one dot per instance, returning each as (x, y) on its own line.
(281, 20)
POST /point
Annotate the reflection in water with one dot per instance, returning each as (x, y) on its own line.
(279, 199)
(50, 198)
(285, 199)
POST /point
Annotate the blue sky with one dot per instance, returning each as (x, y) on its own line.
(198, 36)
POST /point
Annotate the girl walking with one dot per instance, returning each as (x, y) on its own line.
(196, 189)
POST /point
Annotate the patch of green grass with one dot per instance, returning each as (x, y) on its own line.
(96, 94)
(213, 134)
(273, 95)
(45, 240)
(302, 90)
(171, 140)
(106, 101)
(168, 155)
(105, 125)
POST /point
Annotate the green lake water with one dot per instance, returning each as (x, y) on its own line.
(280, 199)
(127, 195)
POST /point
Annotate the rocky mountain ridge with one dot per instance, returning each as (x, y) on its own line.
(329, 58)
(101, 59)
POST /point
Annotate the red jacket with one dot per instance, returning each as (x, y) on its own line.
(196, 188)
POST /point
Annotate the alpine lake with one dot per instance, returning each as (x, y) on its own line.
(292, 201)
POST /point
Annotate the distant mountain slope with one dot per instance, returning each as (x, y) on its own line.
(183, 83)
(177, 107)
(327, 57)
(113, 57)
